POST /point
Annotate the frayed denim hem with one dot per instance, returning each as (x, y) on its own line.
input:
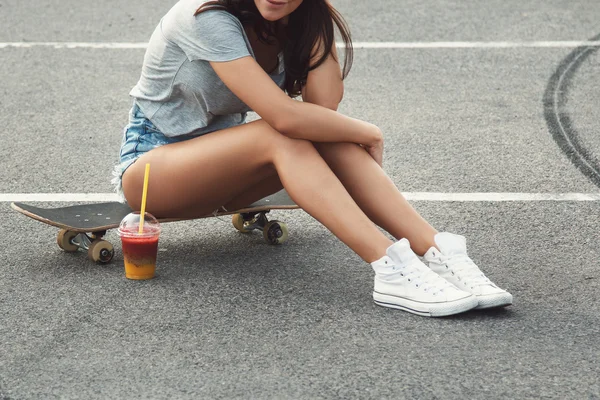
(117, 179)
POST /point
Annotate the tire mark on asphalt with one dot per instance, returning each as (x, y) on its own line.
(558, 119)
(3, 396)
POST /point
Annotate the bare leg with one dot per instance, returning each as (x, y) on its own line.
(376, 194)
(195, 177)
(261, 190)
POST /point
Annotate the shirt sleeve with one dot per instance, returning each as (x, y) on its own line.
(213, 35)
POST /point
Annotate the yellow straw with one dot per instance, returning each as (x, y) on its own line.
(144, 194)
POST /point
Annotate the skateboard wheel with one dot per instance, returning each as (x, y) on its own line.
(275, 232)
(101, 251)
(238, 223)
(64, 240)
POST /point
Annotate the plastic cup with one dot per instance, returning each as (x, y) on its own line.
(140, 250)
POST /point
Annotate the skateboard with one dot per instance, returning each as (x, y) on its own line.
(84, 226)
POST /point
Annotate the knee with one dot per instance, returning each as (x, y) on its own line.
(287, 148)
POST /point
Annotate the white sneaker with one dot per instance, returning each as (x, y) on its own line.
(453, 264)
(402, 281)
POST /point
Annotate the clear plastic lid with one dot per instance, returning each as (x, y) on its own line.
(130, 225)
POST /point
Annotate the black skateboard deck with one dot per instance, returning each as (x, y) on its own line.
(83, 226)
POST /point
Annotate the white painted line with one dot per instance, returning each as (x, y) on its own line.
(411, 196)
(58, 197)
(75, 45)
(357, 45)
(472, 45)
(463, 197)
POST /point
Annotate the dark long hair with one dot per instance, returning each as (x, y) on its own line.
(310, 24)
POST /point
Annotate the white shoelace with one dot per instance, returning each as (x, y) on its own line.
(422, 277)
(466, 270)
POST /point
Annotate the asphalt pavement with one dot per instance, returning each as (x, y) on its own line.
(229, 316)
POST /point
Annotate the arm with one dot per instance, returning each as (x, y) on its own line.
(295, 119)
(324, 86)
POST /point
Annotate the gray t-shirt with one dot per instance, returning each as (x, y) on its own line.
(178, 90)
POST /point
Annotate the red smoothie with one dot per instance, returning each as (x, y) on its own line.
(139, 252)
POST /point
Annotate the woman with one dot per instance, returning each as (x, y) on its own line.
(207, 64)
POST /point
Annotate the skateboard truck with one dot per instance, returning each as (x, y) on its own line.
(274, 232)
(98, 250)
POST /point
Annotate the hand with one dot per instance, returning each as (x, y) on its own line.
(375, 148)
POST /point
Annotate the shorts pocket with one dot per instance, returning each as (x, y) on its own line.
(135, 112)
(140, 135)
(130, 141)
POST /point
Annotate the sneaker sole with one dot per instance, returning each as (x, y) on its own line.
(494, 300)
(426, 309)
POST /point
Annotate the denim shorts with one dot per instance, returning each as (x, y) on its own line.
(139, 137)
